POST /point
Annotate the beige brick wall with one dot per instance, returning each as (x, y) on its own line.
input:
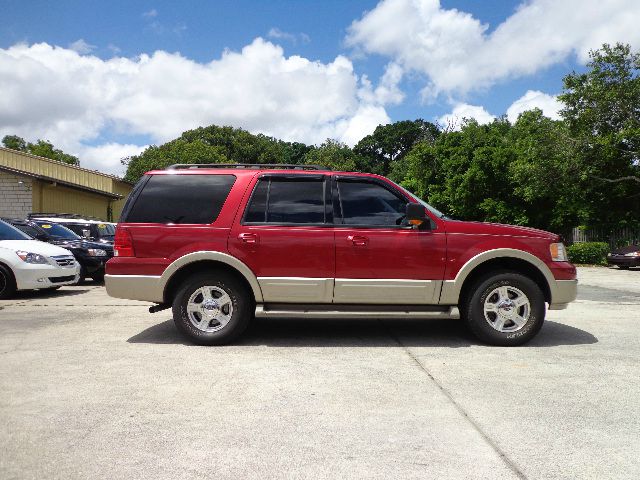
(15, 197)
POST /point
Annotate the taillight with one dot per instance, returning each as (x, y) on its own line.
(123, 243)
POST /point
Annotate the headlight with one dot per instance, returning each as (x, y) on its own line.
(30, 257)
(558, 252)
(632, 254)
(96, 252)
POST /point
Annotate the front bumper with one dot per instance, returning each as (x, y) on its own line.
(31, 276)
(563, 292)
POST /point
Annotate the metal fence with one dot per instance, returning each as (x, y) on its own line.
(615, 238)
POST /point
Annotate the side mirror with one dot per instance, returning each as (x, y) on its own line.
(416, 214)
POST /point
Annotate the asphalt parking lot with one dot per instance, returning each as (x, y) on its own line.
(95, 387)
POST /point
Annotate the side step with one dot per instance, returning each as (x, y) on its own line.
(284, 310)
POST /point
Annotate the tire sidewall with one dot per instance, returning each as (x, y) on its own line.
(8, 283)
(240, 301)
(475, 309)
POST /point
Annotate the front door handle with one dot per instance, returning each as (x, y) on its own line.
(358, 240)
(248, 238)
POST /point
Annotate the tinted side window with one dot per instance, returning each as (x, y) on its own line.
(288, 200)
(366, 203)
(181, 199)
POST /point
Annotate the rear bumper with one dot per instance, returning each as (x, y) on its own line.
(563, 292)
(135, 287)
(621, 261)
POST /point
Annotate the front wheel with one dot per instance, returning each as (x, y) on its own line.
(7, 283)
(504, 309)
(212, 308)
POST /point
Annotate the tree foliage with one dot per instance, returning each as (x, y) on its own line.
(602, 114)
(41, 148)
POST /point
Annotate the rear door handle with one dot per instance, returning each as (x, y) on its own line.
(358, 240)
(248, 238)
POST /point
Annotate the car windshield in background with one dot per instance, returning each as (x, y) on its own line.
(106, 230)
(7, 232)
(59, 231)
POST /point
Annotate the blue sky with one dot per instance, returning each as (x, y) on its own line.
(81, 65)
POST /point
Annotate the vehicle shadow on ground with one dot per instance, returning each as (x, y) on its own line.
(43, 294)
(364, 333)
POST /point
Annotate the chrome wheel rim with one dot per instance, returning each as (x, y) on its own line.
(209, 308)
(507, 309)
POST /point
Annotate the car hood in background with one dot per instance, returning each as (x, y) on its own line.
(34, 246)
(84, 244)
(627, 249)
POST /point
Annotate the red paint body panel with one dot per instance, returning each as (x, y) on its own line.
(327, 251)
(390, 253)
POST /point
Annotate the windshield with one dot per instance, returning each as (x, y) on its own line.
(106, 230)
(433, 210)
(59, 231)
(7, 232)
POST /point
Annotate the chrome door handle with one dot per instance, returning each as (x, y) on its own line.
(248, 238)
(358, 240)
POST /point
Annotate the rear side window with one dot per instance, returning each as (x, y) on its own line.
(181, 199)
(288, 201)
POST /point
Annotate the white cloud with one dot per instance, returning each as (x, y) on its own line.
(549, 105)
(70, 99)
(294, 38)
(81, 47)
(462, 111)
(458, 54)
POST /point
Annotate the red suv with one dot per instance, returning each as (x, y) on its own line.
(222, 243)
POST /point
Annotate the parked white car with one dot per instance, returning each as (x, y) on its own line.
(27, 264)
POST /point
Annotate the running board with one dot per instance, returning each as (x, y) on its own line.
(379, 311)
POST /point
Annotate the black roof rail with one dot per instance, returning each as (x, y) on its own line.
(257, 166)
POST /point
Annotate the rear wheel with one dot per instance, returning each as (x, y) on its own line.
(7, 283)
(212, 308)
(505, 309)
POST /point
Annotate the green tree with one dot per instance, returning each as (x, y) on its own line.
(15, 143)
(214, 144)
(602, 112)
(334, 155)
(388, 144)
(42, 148)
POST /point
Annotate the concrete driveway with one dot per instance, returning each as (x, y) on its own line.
(95, 387)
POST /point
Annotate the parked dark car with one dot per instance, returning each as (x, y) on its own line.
(91, 256)
(88, 228)
(625, 257)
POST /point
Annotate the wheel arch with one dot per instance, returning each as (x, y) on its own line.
(498, 260)
(204, 261)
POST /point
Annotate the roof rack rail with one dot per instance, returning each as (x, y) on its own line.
(59, 215)
(257, 166)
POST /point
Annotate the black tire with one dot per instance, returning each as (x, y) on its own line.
(98, 277)
(241, 301)
(472, 309)
(7, 283)
(623, 267)
(83, 275)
